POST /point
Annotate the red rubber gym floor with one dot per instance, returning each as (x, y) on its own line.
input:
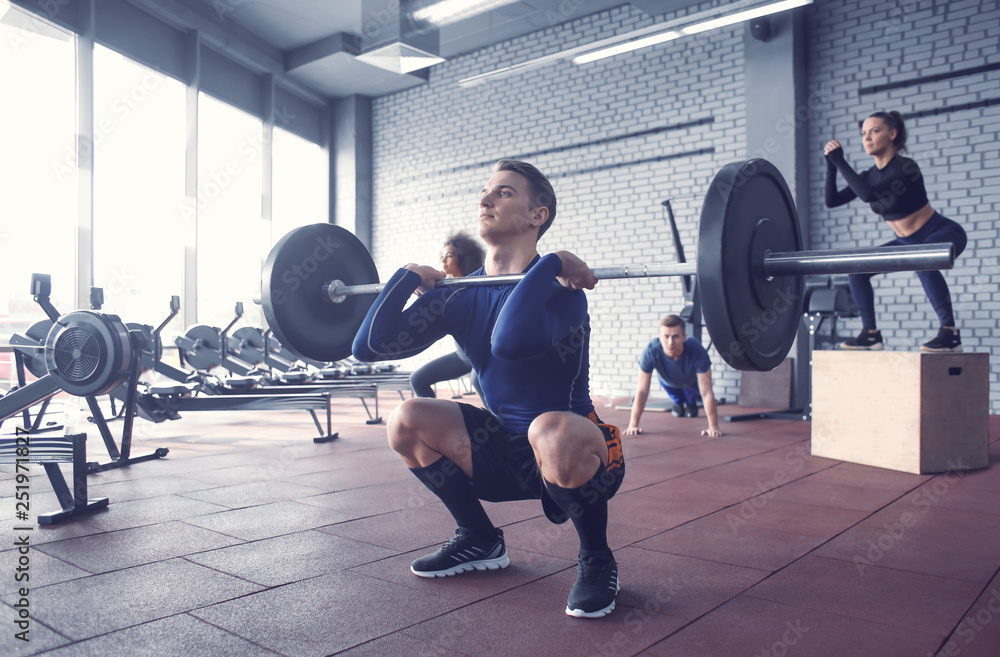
(249, 540)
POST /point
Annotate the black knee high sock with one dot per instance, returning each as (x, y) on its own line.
(448, 482)
(587, 507)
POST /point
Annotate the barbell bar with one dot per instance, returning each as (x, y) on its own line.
(318, 280)
(879, 259)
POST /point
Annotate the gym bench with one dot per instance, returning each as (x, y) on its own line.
(50, 451)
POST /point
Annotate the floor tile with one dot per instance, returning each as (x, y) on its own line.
(525, 566)
(89, 606)
(404, 530)
(175, 635)
(751, 626)
(765, 471)
(497, 625)
(275, 561)
(817, 493)
(322, 615)
(145, 487)
(124, 514)
(352, 478)
(374, 500)
(41, 569)
(978, 633)
(238, 496)
(910, 601)
(944, 542)
(714, 538)
(864, 476)
(39, 637)
(267, 520)
(685, 587)
(398, 643)
(101, 553)
(541, 535)
(766, 512)
(686, 489)
(73, 529)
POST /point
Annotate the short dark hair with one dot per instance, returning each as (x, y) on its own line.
(542, 194)
(671, 321)
(895, 122)
(469, 252)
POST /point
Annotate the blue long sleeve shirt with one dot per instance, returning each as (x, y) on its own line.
(529, 343)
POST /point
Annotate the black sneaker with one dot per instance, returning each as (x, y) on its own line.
(677, 410)
(866, 341)
(691, 410)
(596, 586)
(947, 341)
(462, 553)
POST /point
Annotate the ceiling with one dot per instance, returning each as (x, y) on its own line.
(320, 40)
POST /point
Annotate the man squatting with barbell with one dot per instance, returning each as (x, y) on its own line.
(539, 436)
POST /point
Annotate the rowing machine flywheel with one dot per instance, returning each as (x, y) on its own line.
(88, 353)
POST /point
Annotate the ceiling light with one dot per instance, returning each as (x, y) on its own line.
(626, 47)
(643, 37)
(399, 57)
(741, 16)
(451, 11)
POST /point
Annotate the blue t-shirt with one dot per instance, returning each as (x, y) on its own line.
(679, 373)
(529, 343)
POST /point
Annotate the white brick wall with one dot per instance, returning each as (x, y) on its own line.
(866, 43)
(435, 145)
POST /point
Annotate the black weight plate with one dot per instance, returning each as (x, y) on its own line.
(88, 353)
(207, 350)
(247, 344)
(299, 265)
(748, 211)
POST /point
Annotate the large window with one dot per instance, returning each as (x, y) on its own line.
(136, 226)
(300, 184)
(140, 218)
(230, 230)
(38, 171)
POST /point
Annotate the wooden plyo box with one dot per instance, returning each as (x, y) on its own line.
(908, 411)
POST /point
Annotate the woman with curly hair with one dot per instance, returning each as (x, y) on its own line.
(461, 256)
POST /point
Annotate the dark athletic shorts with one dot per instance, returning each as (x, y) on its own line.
(504, 466)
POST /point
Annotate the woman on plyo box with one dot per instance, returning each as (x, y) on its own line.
(894, 189)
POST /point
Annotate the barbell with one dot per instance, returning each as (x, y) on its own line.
(318, 280)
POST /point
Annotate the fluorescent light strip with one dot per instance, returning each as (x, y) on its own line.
(741, 16)
(626, 47)
(703, 26)
(580, 54)
(450, 11)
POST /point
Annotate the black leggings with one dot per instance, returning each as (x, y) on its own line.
(938, 229)
(444, 368)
